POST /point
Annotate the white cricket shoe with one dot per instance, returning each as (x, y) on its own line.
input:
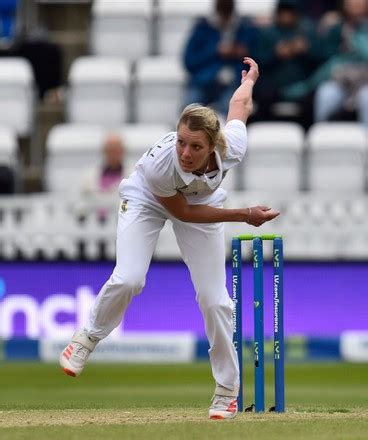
(74, 357)
(223, 407)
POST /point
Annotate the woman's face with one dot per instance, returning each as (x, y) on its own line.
(193, 149)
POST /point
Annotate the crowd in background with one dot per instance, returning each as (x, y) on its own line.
(32, 44)
(312, 55)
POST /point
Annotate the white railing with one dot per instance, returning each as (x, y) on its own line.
(315, 227)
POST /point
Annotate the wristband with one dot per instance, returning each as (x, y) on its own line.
(250, 213)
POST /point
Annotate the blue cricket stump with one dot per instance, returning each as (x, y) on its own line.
(278, 302)
(237, 312)
(259, 395)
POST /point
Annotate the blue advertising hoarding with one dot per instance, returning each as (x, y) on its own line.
(50, 300)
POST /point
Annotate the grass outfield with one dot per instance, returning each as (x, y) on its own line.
(324, 401)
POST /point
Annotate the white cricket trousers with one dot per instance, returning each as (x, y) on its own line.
(203, 250)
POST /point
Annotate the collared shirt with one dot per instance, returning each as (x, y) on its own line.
(164, 177)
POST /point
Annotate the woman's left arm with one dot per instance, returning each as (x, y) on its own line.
(241, 103)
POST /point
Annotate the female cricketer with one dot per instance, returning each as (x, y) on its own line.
(179, 179)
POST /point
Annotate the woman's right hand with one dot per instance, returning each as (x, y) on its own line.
(257, 215)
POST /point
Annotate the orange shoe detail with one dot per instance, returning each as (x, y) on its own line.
(68, 351)
(69, 372)
(217, 417)
(232, 407)
(67, 354)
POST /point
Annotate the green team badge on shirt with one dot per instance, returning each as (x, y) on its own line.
(124, 206)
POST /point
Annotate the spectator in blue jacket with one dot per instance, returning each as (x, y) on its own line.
(342, 81)
(212, 55)
(288, 52)
(8, 10)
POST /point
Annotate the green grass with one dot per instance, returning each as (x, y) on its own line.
(324, 401)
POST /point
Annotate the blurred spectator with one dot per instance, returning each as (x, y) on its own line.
(213, 56)
(7, 180)
(16, 40)
(105, 177)
(286, 53)
(8, 11)
(45, 57)
(317, 9)
(342, 81)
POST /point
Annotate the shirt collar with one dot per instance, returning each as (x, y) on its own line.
(189, 177)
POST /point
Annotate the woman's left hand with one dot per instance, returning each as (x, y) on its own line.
(253, 72)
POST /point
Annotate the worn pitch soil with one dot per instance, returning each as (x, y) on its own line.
(80, 417)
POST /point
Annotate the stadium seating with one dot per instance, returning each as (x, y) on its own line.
(133, 84)
(98, 91)
(336, 152)
(273, 159)
(138, 138)
(158, 90)
(10, 208)
(9, 166)
(121, 28)
(354, 241)
(8, 147)
(17, 95)
(175, 19)
(50, 227)
(315, 228)
(256, 9)
(310, 231)
(70, 149)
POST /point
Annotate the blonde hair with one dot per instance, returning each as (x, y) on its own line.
(197, 117)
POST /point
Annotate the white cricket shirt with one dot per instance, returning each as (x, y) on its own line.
(159, 170)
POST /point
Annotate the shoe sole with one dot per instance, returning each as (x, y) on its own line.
(69, 372)
(221, 417)
(65, 368)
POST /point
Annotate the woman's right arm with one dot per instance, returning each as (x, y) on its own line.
(178, 206)
(241, 103)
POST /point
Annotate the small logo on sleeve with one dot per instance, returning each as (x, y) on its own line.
(124, 206)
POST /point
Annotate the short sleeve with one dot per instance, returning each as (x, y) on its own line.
(235, 133)
(159, 181)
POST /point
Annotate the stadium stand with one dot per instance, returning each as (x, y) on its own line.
(8, 147)
(337, 155)
(138, 138)
(274, 157)
(175, 19)
(98, 91)
(71, 148)
(49, 227)
(355, 220)
(9, 169)
(121, 28)
(134, 85)
(17, 95)
(260, 12)
(158, 89)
